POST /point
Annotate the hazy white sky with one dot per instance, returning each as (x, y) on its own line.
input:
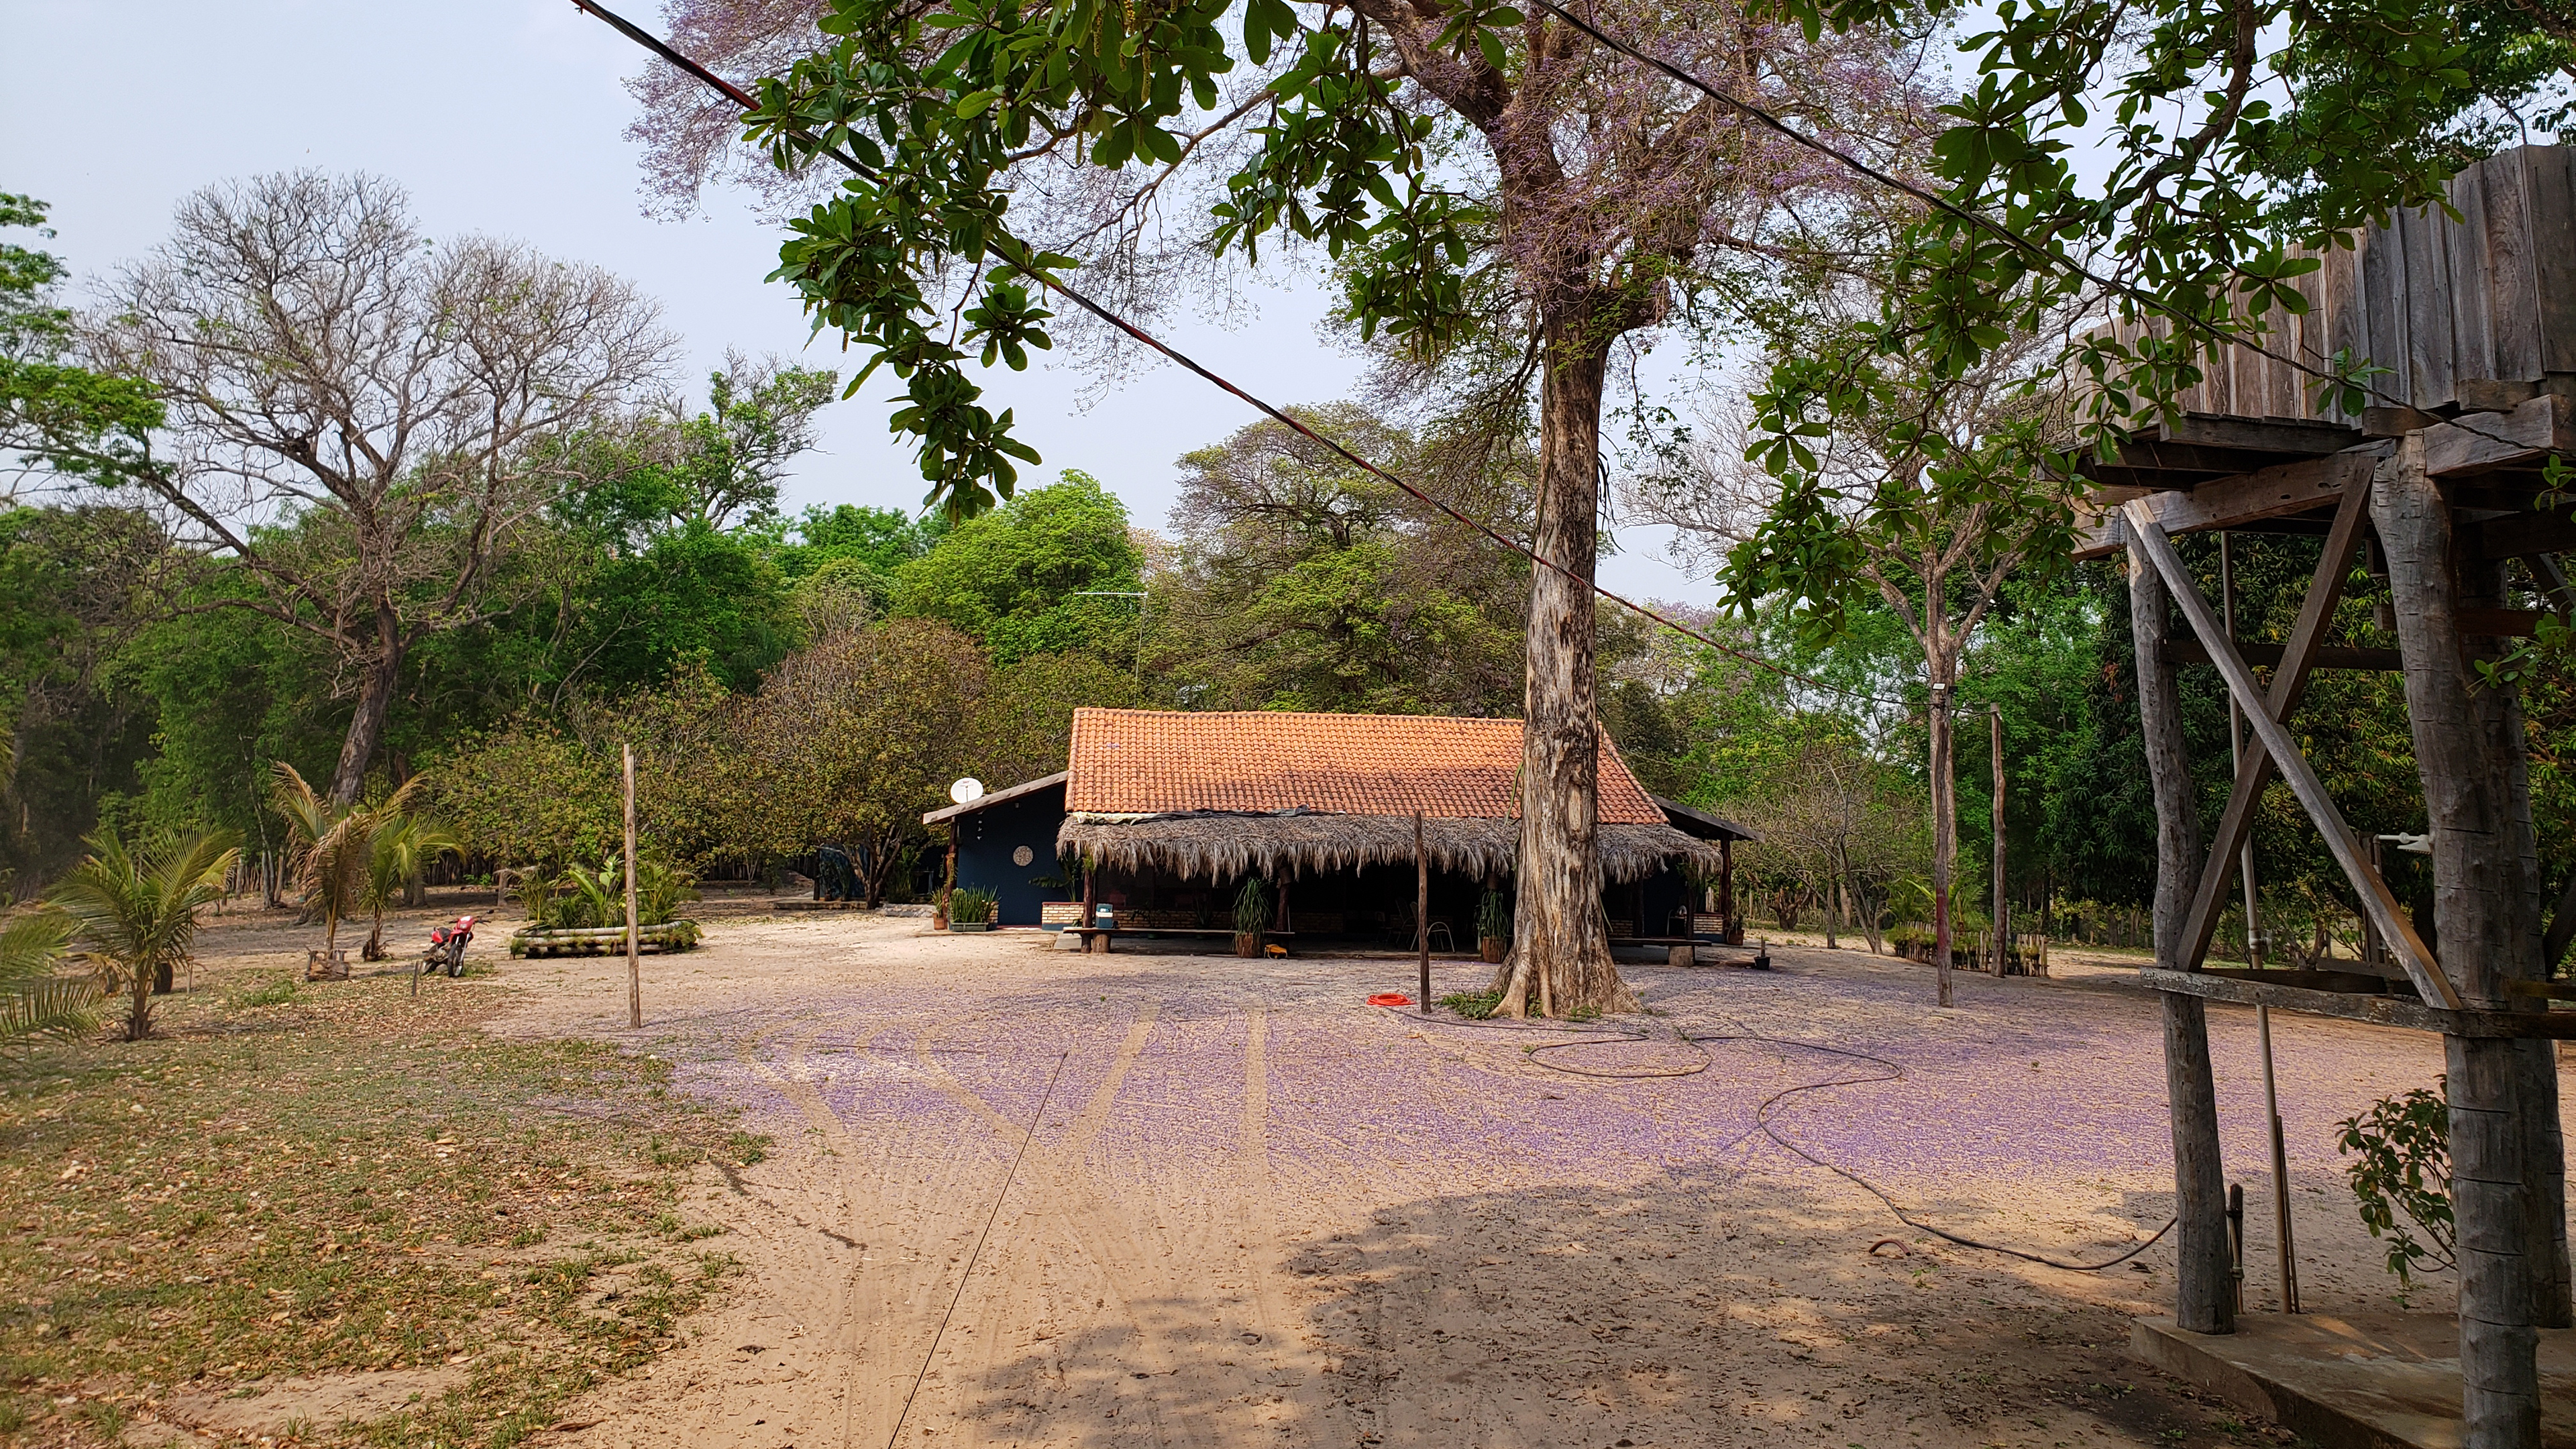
(505, 116)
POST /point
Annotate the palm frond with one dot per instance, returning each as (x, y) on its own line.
(31, 945)
(308, 815)
(50, 1006)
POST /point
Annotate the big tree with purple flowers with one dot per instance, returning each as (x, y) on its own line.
(1482, 184)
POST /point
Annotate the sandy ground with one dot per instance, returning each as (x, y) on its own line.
(1030, 1197)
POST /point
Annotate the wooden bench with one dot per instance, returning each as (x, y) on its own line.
(1097, 938)
(1684, 950)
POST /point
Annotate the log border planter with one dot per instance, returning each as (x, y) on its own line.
(669, 936)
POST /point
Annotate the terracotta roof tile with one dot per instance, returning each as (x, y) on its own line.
(1136, 761)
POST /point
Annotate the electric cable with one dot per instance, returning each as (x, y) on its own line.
(1615, 1034)
(967, 1273)
(2059, 260)
(998, 252)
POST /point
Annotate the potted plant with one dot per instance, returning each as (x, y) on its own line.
(970, 909)
(1493, 925)
(1251, 916)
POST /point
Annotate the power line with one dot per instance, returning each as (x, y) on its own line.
(993, 247)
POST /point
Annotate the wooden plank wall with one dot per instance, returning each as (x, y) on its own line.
(2435, 301)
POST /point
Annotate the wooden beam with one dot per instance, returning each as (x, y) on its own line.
(2481, 441)
(2356, 1006)
(2395, 422)
(2493, 394)
(2254, 766)
(2274, 492)
(2295, 436)
(2163, 457)
(2269, 656)
(2522, 535)
(2147, 538)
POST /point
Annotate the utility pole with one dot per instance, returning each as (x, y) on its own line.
(2003, 906)
(2253, 957)
(2235, 741)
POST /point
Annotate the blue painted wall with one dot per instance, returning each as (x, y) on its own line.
(986, 840)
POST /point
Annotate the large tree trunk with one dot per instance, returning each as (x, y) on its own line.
(375, 703)
(1560, 943)
(2507, 1172)
(2205, 1290)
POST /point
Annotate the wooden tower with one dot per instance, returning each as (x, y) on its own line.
(2443, 476)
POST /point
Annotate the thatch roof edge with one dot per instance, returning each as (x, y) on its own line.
(1220, 847)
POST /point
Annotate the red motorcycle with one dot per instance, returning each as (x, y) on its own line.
(447, 946)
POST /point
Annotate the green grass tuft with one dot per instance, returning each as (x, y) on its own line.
(1474, 1005)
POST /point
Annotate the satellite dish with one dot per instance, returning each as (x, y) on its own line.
(967, 791)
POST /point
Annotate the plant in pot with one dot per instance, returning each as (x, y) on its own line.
(1251, 916)
(970, 909)
(1493, 925)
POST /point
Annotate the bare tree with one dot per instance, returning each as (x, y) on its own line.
(355, 416)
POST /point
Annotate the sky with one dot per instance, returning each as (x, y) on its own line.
(507, 117)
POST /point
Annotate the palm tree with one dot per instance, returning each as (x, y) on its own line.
(334, 845)
(35, 1000)
(134, 910)
(402, 845)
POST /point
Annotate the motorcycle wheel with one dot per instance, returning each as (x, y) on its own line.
(455, 965)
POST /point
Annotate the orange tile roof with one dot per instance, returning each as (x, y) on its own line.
(1141, 761)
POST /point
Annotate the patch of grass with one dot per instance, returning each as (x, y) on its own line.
(746, 1149)
(1474, 1005)
(1584, 1013)
(345, 1181)
(275, 993)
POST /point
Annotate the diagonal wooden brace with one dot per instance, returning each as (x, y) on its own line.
(2147, 539)
(2254, 767)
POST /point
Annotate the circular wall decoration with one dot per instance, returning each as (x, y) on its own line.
(1023, 856)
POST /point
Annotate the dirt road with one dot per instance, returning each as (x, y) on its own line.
(1224, 1202)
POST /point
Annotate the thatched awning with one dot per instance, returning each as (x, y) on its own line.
(1222, 846)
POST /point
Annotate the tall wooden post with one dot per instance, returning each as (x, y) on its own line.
(1945, 838)
(2204, 1294)
(1422, 907)
(1091, 908)
(2506, 1169)
(634, 961)
(2236, 744)
(2284, 1243)
(1726, 931)
(2003, 902)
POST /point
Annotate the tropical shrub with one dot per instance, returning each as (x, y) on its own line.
(2402, 1147)
(579, 898)
(133, 910)
(970, 907)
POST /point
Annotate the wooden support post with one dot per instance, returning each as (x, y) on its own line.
(2003, 907)
(634, 958)
(2203, 1292)
(2507, 1171)
(1422, 907)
